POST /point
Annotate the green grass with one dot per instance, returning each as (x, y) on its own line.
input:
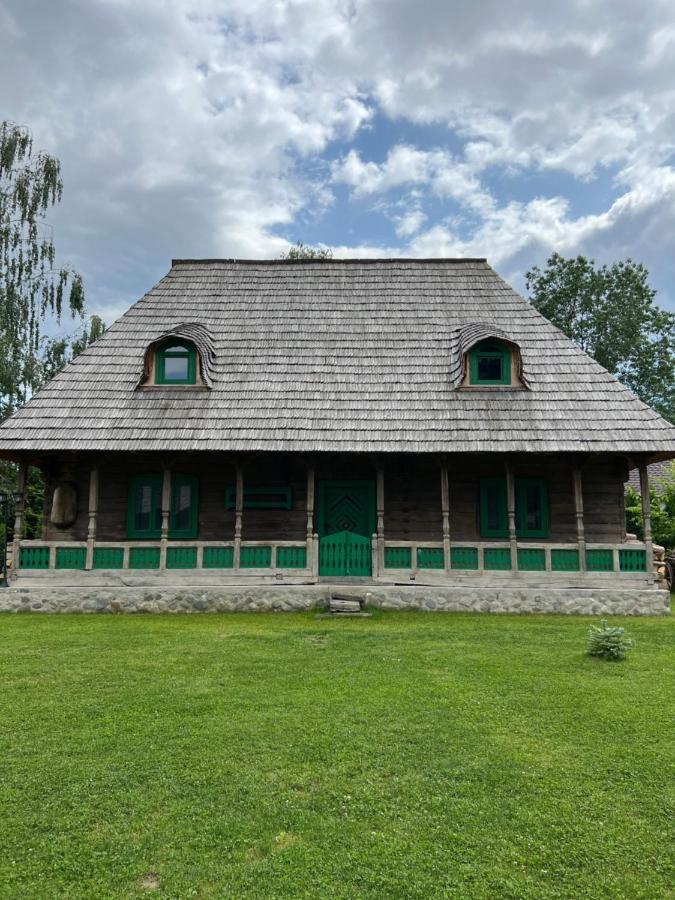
(407, 755)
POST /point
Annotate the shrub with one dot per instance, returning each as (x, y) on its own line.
(608, 641)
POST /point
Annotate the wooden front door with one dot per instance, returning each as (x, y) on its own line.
(345, 524)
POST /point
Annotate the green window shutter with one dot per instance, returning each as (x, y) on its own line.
(493, 510)
(184, 509)
(144, 507)
(176, 363)
(489, 363)
(531, 507)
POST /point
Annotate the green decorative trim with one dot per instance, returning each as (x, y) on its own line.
(144, 558)
(176, 349)
(272, 497)
(489, 351)
(181, 557)
(493, 489)
(70, 558)
(464, 557)
(430, 558)
(255, 557)
(108, 558)
(531, 559)
(565, 560)
(599, 560)
(177, 482)
(218, 558)
(497, 558)
(632, 560)
(291, 557)
(397, 558)
(34, 558)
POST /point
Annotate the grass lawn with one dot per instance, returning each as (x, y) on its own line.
(407, 755)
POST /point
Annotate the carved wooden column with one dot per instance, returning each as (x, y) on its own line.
(445, 509)
(379, 566)
(93, 512)
(579, 510)
(19, 505)
(309, 541)
(166, 507)
(647, 519)
(238, 510)
(511, 510)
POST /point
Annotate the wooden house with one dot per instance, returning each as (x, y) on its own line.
(258, 434)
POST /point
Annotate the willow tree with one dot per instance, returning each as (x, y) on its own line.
(33, 288)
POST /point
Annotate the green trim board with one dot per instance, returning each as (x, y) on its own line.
(144, 507)
(273, 496)
(490, 363)
(532, 508)
(176, 363)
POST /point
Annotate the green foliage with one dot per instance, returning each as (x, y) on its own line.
(32, 287)
(662, 508)
(608, 641)
(609, 311)
(302, 251)
(266, 755)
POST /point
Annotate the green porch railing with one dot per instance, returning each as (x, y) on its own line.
(144, 558)
(218, 557)
(34, 558)
(531, 559)
(600, 560)
(430, 558)
(497, 559)
(345, 554)
(291, 557)
(70, 558)
(564, 560)
(397, 557)
(255, 557)
(632, 560)
(181, 557)
(108, 558)
(464, 557)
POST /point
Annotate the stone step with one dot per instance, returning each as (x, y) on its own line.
(344, 605)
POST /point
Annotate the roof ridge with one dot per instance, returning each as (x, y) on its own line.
(454, 260)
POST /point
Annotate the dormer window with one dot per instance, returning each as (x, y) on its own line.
(489, 363)
(176, 363)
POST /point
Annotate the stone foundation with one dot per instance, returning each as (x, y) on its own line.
(262, 598)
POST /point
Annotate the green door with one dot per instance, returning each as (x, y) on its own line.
(345, 524)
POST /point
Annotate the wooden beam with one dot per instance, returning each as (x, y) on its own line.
(93, 514)
(311, 486)
(511, 511)
(646, 518)
(238, 511)
(379, 567)
(19, 506)
(445, 510)
(166, 508)
(579, 511)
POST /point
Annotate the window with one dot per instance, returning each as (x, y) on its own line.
(531, 508)
(176, 363)
(144, 508)
(489, 363)
(275, 497)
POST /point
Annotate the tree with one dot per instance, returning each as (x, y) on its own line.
(662, 508)
(32, 287)
(609, 311)
(302, 251)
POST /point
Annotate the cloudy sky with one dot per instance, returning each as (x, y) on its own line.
(376, 127)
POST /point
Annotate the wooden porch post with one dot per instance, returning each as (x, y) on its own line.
(511, 509)
(238, 509)
(579, 510)
(18, 514)
(379, 562)
(445, 509)
(310, 516)
(647, 518)
(93, 511)
(166, 505)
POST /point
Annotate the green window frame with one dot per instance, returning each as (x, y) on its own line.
(172, 353)
(489, 363)
(532, 510)
(146, 490)
(269, 497)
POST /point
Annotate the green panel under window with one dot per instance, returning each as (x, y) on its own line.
(497, 558)
(464, 557)
(531, 559)
(176, 363)
(291, 557)
(218, 558)
(255, 557)
(108, 558)
(34, 558)
(430, 558)
(272, 497)
(184, 511)
(144, 558)
(632, 560)
(493, 510)
(565, 560)
(71, 557)
(489, 363)
(600, 560)
(144, 507)
(397, 558)
(181, 557)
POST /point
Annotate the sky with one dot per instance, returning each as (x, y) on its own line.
(379, 128)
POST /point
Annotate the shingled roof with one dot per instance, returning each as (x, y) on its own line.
(340, 355)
